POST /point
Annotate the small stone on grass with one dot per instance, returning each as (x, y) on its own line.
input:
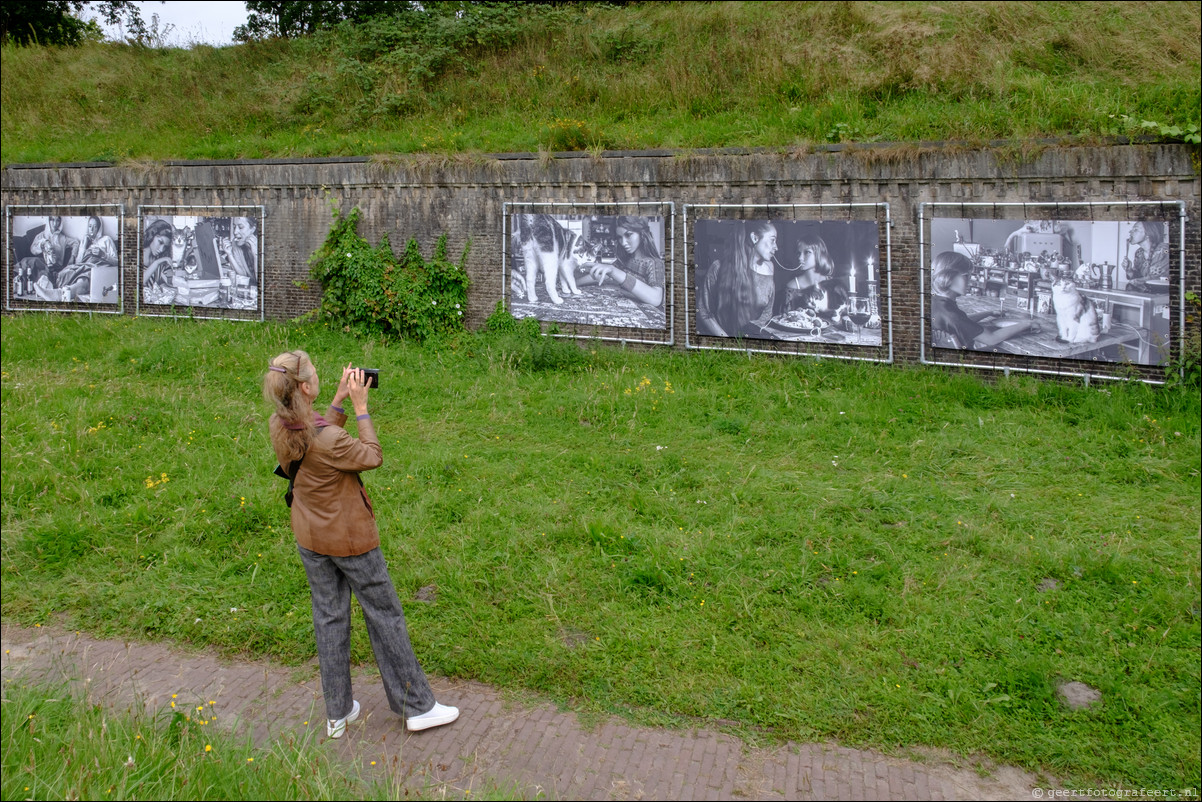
(1078, 695)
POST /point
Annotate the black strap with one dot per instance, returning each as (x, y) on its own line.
(290, 475)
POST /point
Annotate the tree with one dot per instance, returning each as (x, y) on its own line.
(58, 22)
(268, 19)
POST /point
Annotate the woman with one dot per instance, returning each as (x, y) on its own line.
(1151, 255)
(156, 256)
(813, 265)
(949, 280)
(736, 300)
(98, 248)
(639, 270)
(339, 543)
(56, 248)
(240, 249)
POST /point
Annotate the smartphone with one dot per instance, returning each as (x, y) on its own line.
(372, 375)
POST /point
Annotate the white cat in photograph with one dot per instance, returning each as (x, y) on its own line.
(1076, 316)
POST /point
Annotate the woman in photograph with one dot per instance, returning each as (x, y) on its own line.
(240, 250)
(98, 248)
(736, 299)
(1151, 255)
(814, 265)
(949, 280)
(339, 543)
(156, 255)
(639, 269)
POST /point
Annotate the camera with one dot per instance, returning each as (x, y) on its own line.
(372, 376)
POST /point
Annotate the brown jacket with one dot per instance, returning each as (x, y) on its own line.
(331, 513)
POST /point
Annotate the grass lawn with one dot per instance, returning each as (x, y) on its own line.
(881, 555)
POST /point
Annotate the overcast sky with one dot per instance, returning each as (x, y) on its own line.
(211, 22)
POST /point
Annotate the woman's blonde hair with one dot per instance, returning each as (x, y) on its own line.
(291, 424)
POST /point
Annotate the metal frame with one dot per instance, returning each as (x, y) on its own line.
(142, 211)
(669, 289)
(107, 309)
(1182, 217)
(888, 271)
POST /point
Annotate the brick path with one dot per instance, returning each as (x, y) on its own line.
(531, 748)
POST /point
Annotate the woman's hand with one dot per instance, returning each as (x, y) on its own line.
(599, 273)
(357, 383)
(344, 388)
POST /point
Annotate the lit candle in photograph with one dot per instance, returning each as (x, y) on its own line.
(871, 277)
(851, 279)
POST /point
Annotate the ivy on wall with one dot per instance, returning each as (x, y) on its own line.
(371, 292)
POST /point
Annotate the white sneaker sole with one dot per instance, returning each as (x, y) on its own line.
(426, 720)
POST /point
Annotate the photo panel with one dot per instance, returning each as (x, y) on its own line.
(590, 269)
(64, 261)
(1053, 288)
(200, 260)
(788, 280)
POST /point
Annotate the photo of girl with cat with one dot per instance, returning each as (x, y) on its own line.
(210, 262)
(591, 269)
(1082, 289)
(952, 326)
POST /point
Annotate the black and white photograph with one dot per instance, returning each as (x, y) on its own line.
(1062, 289)
(65, 259)
(792, 280)
(189, 260)
(601, 270)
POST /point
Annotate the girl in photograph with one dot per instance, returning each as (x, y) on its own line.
(814, 265)
(339, 544)
(1151, 255)
(639, 269)
(156, 256)
(240, 250)
(98, 248)
(56, 248)
(736, 299)
(949, 280)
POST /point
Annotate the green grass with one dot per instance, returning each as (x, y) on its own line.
(680, 75)
(811, 549)
(59, 745)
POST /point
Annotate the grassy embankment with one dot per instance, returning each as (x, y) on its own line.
(879, 555)
(686, 75)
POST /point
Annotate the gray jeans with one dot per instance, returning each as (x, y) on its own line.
(331, 580)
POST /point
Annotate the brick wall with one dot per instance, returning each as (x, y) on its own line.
(463, 197)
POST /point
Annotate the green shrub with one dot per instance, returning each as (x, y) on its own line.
(368, 291)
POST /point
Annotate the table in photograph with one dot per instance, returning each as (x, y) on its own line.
(1043, 342)
(597, 306)
(776, 330)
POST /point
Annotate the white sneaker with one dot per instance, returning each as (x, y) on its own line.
(434, 717)
(335, 727)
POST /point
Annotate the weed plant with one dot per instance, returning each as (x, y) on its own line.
(880, 555)
(551, 77)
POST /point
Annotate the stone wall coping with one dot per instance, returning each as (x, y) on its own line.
(661, 153)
